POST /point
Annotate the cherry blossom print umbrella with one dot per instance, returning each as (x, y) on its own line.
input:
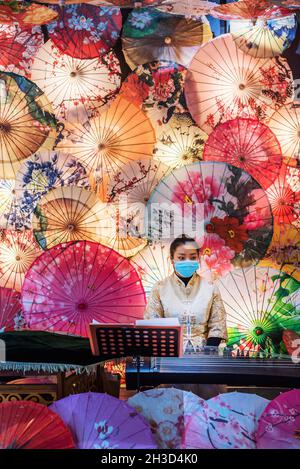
(280, 423)
(264, 38)
(73, 284)
(26, 120)
(85, 31)
(247, 144)
(167, 411)
(18, 250)
(68, 214)
(227, 210)
(77, 88)
(100, 421)
(260, 303)
(285, 123)
(25, 14)
(150, 35)
(188, 8)
(223, 83)
(120, 135)
(231, 422)
(18, 47)
(29, 425)
(250, 10)
(10, 309)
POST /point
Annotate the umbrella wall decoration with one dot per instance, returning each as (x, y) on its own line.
(73, 284)
(285, 123)
(10, 308)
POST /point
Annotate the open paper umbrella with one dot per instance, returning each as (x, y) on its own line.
(226, 209)
(285, 123)
(188, 8)
(85, 31)
(26, 121)
(292, 4)
(7, 189)
(111, 3)
(232, 422)
(292, 341)
(18, 250)
(100, 421)
(76, 283)
(10, 309)
(224, 83)
(279, 425)
(150, 35)
(76, 87)
(25, 14)
(260, 303)
(18, 47)
(28, 425)
(167, 411)
(250, 10)
(247, 144)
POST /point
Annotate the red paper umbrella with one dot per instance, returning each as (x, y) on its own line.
(28, 425)
(76, 283)
(247, 144)
(10, 308)
(85, 31)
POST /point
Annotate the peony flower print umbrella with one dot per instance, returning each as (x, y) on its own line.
(247, 144)
(260, 303)
(29, 425)
(10, 309)
(73, 284)
(25, 14)
(285, 123)
(231, 422)
(279, 425)
(224, 208)
(100, 421)
(223, 83)
(188, 8)
(85, 31)
(150, 35)
(77, 88)
(168, 411)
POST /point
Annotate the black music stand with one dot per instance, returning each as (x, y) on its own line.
(127, 340)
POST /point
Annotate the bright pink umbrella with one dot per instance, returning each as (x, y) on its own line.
(279, 425)
(100, 421)
(73, 284)
(10, 308)
(247, 144)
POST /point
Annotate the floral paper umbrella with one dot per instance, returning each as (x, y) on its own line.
(150, 35)
(279, 425)
(188, 8)
(111, 3)
(77, 88)
(18, 250)
(18, 47)
(25, 14)
(260, 303)
(285, 123)
(250, 10)
(10, 309)
(76, 283)
(247, 144)
(292, 4)
(227, 210)
(224, 83)
(7, 189)
(85, 31)
(26, 121)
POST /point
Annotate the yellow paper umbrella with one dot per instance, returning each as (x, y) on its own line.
(285, 123)
(78, 88)
(18, 250)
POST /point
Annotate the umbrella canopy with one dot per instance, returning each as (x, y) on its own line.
(26, 121)
(260, 303)
(7, 191)
(292, 4)
(10, 309)
(73, 284)
(167, 411)
(279, 424)
(77, 88)
(247, 144)
(188, 8)
(18, 47)
(85, 31)
(250, 10)
(224, 83)
(25, 14)
(100, 421)
(291, 340)
(285, 123)
(28, 425)
(150, 35)
(226, 209)
(231, 422)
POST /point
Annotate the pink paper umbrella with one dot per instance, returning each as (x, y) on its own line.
(10, 309)
(279, 425)
(73, 284)
(100, 421)
(232, 421)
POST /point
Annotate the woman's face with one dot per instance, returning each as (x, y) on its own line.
(185, 252)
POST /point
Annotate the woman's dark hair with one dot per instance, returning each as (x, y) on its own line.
(181, 242)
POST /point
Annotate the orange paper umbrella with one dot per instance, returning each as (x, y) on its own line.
(77, 88)
(224, 83)
(18, 250)
(250, 10)
(285, 123)
(25, 13)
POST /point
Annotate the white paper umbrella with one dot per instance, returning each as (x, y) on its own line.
(285, 123)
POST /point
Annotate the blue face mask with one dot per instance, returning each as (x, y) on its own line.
(186, 268)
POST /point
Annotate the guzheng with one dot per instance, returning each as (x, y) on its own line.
(208, 367)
